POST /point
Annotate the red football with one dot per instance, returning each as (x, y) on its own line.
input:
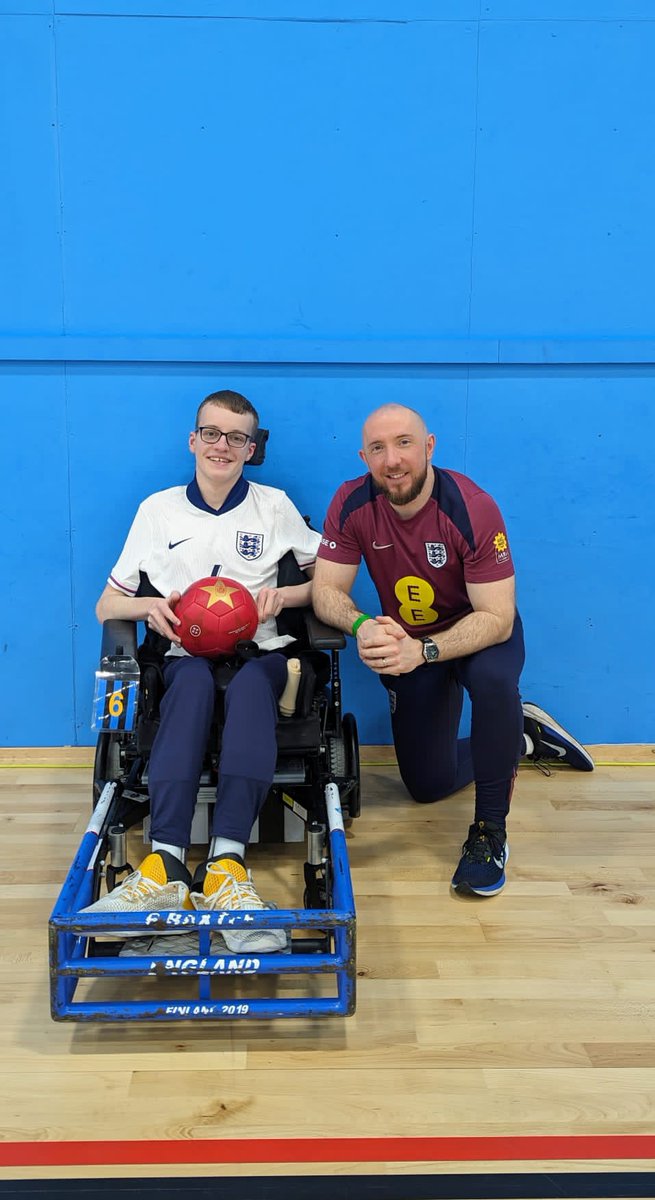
(215, 614)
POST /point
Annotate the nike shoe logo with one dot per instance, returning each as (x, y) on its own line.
(386, 547)
(561, 753)
(172, 545)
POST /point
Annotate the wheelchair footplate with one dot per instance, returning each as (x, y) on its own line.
(178, 963)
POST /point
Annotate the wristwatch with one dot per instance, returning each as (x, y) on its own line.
(430, 650)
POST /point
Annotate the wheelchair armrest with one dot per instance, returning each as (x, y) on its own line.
(118, 639)
(321, 636)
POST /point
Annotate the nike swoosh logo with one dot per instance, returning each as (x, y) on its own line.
(172, 545)
(387, 547)
(558, 749)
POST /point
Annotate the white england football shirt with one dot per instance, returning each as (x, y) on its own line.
(177, 538)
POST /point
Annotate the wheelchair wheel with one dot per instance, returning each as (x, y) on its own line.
(338, 765)
(107, 765)
(351, 747)
(337, 757)
(316, 893)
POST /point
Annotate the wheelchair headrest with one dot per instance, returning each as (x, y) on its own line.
(261, 438)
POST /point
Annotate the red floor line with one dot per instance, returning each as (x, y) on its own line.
(334, 1150)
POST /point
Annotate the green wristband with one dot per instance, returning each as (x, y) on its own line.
(360, 621)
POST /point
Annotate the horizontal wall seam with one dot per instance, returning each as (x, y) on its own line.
(410, 351)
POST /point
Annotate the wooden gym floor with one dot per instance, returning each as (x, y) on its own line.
(496, 1043)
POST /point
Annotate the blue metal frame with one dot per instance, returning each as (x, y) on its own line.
(70, 930)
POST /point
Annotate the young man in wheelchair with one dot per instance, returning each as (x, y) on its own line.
(220, 524)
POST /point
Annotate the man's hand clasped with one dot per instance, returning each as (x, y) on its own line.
(386, 648)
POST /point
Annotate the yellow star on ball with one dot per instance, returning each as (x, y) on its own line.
(220, 592)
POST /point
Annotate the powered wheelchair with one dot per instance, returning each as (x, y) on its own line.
(316, 785)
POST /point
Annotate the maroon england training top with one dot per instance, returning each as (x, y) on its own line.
(420, 567)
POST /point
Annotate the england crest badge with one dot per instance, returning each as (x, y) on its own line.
(437, 553)
(250, 545)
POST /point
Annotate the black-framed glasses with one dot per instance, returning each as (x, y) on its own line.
(212, 435)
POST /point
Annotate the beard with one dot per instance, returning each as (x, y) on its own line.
(405, 497)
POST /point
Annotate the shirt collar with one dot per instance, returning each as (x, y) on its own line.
(234, 497)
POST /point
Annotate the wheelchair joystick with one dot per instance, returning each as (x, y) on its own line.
(117, 835)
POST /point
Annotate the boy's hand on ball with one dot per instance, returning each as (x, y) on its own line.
(161, 617)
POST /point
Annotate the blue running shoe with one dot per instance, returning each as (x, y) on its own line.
(551, 743)
(481, 870)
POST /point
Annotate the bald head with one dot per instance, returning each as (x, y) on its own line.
(397, 449)
(397, 415)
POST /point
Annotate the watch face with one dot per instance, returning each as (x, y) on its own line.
(430, 650)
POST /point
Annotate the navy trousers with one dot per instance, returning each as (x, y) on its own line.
(426, 707)
(248, 752)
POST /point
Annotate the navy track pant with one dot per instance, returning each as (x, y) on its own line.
(248, 752)
(426, 707)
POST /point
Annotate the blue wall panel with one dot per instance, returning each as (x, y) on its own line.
(24, 8)
(563, 452)
(567, 10)
(30, 254)
(318, 11)
(564, 181)
(38, 639)
(301, 178)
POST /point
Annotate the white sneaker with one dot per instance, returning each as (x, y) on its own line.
(227, 885)
(157, 884)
